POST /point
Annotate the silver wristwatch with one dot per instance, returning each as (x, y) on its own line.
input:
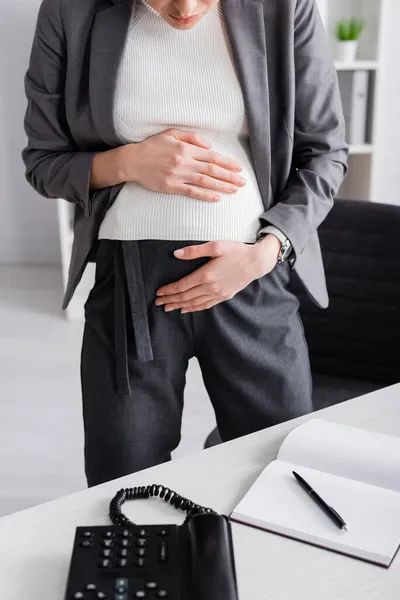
(285, 251)
(286, 247)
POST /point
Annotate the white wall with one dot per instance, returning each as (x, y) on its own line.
(323, 10)
(386, 175)
(28, 222)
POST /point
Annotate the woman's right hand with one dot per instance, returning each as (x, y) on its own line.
(174, 161)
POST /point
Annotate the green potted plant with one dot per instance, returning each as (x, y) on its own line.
(348, 33)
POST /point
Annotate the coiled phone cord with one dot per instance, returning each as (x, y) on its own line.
(159, 491)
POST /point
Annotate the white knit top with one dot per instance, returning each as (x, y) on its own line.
(184, 79)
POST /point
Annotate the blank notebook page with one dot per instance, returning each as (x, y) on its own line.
(277, 502)
(346, 451)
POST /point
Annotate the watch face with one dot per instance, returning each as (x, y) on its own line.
(285, 252)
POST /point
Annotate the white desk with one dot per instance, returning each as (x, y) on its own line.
(36, 544)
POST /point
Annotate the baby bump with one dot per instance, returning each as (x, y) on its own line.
(148, 214)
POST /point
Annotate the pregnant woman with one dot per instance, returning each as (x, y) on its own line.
(202, 143)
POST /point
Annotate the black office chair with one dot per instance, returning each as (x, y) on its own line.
(354, 344)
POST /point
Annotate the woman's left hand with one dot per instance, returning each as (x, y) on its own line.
(234, 265)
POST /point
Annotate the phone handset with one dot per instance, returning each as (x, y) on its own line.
(212, 566)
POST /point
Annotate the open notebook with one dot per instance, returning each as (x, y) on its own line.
(357, 472)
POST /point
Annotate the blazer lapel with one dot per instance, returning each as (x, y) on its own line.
(244, 21)
(110, 28)
(245, 25)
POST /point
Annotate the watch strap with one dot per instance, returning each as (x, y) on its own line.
(275, 231)
(286, 246)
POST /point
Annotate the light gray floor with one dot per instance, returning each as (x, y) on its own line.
(41, 438)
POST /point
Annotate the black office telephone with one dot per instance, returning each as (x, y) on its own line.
(124, 561)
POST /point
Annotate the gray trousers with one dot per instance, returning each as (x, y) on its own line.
(251, 350)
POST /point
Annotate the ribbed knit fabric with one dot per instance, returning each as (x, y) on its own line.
(187, 80)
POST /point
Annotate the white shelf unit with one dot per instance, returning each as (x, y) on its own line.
(361, 181)
(357, 65)
(361, 149)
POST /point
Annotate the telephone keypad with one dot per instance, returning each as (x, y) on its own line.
(122, 563)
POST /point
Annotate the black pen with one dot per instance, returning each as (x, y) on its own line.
(331, 512)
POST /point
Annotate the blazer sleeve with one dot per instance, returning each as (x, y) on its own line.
(55, 166)
(319, 161)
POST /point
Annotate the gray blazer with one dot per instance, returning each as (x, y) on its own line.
(291, 95)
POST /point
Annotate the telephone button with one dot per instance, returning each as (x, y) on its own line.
(78, 596)
(123, 552)
(106, 553)
(123, 562)
(141, 552)
(151, 585)
(91, 587)
(126, 533)
(139, 562)
(163, 552)
(121, 583)
(104, 564)
(107, 543)
(140, 594)
(163, 532)
(86, 544)
(101, 595)
(108, 534)
(142, 533)
(162, 594)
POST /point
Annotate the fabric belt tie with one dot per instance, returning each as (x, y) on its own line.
(128, 276)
